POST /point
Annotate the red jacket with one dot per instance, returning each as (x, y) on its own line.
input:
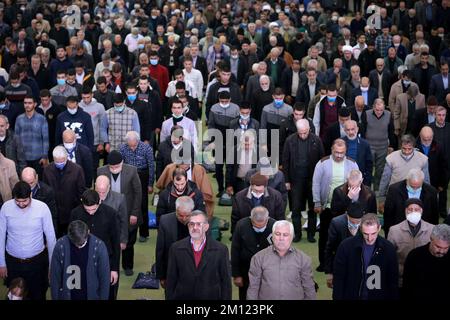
(161, 74)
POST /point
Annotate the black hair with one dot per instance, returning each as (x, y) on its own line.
(21, 190)
(90, 198)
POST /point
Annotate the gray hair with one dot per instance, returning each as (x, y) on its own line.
(379, 101)
(185, 203)
(281, 223)
(132, 135)
(370, 219)
(350, 122)
(355, 176)
(264, 77)
(59, 152)
(5, 118)
(259, 214)
(415, 174)
(302, 124)
(199, 213)
(407, 139)
(441, 232)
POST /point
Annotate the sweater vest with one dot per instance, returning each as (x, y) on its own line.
(377, 129)
(118, 126)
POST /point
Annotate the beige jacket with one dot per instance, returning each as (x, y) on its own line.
(8, 177)
(396, 90)
(403, 241)
(321, 63)
(272, 277)
(400, 111)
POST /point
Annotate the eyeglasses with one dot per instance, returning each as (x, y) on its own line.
(196, 224)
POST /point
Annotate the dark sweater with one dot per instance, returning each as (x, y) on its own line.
(80, 122)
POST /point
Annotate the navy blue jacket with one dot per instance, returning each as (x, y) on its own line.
(348, 270)
(364, 159)
(80, 123)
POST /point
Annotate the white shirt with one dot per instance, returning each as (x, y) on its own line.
(295, 82)
(196, 78)
(189, 129)
(357, 50)
(131, 42)
(80, 77)
(25, 229)
(445, 81)
(190, 87)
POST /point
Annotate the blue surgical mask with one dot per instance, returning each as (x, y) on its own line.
(2, 106)
(259, 230)
(245, 117)
(61, 165)
(406, 82)
(331, 99)
(141, 46)
(153, 62)
(132, 97)
(61, 82)
(352, 225)
(119, 108)
(412, 190)
(278, 103)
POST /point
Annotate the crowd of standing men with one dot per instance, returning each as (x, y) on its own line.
(337, 109)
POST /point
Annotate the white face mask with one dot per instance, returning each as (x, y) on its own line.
(72, 111)
(257, 195)
(13, 297)
(364, 89)
(224, 105)
(414, 217)
(69, 146)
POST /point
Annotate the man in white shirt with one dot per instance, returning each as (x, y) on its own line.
(23, 223)
(190, 130)
(190, 86)
(194, 76)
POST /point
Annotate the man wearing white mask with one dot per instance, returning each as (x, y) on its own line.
(410, 234)
(79, 154)
(190, 130)
(219, 120)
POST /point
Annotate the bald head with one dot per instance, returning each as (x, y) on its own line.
(29, 176)
(102, 186)
(426, 136)
(68, 136)
(359, 103)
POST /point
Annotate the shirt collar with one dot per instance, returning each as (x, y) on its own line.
(201, 246)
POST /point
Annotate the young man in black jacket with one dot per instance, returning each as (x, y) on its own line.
(103, 223)
(365, 266)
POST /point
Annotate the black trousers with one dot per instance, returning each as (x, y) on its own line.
(113, 290)
(442, 203)
(34, 272)
(95, 162)
(325, 220)
(143, 228)
(239, 184)
(243, 289)
(128, 253)
(36, 166)
(220, 176)
(300, 195)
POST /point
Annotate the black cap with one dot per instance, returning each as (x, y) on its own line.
(114, 157)
(411, 201)
(355, 210)
(344, 112)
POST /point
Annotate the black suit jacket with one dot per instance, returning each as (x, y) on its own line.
(385, 81)
(167, 235)
(46, 194)
(333, 132)
(394, 207)
(420, 120)
(83, 157)
(245, 244)
(337, 232)
(371, 96)
(211, 280)
(303, 92)
(340, 201)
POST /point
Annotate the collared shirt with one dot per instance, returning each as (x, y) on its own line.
(141, 158)
(295, 82)
(22, 230)
(33, 133)
(337, 179)
(445, 81)
(431, 117)
(312, 89)
(80, 78)
(365, 95)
